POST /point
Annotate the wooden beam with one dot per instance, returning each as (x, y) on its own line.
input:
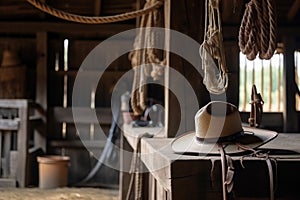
(57, 27)
(179, 117)
(97, 7)
(293, 10)
(12, 103)
(231, 32)
(8, 182)
(290, 121)
(9, 124)
(97, 144)
(231, 11)
(23, 138)
(60, 114)
(41, 85)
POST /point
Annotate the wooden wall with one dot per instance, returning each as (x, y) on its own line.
(39, 40)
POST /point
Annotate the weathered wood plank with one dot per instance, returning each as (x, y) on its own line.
(98, 144)
(97, 7)
(183, 114)
(293, 10)
(167, 168)
(1, 153)
(125, 163)
(12, 103)
(8, 182)
(23, 146)
(41, 86)
(9, 124)
(133, 134)
(290, 121)
(62, 27)
(85, 115)
(6, 154)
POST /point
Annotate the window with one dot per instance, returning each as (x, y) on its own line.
(267, 75)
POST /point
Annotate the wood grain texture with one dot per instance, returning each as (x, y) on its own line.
(180, 175)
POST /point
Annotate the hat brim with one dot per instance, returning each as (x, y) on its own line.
(252, 138)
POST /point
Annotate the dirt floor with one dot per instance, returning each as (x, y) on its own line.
(58, 194)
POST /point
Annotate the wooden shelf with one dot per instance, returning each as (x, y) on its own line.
(85, 115)
(62, 27)
(9, 124)
(99, 144)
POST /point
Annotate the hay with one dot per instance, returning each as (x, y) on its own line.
(57, 194)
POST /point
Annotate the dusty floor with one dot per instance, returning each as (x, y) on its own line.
(58, 194)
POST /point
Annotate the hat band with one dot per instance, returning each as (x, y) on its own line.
(229, 138)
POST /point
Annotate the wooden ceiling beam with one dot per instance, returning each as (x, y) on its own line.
(62, 27)
(232, 10)
(293, 10)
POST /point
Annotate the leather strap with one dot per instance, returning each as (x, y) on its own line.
(223, 164)
(265, 155)
(271, 178)
(227, 174)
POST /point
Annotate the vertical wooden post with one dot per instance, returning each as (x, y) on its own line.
(97, 7)
(183, 16)
(1, 135)
(23, 131)
(6, 153)
(232, 62)
(125, 164)
(41, 85)
(290, 121)
(167, 15)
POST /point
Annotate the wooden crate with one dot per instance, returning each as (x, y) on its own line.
(174, 176)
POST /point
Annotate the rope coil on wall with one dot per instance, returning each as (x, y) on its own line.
(94, 20)
(146, 62)
(258, 30)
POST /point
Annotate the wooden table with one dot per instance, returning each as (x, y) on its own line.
(174, 176)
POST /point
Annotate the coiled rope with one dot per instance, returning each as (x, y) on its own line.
(94, 20)
(258, 30)
(146, 62)
(212, 50)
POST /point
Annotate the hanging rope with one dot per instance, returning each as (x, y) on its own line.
(146, 62)
(212, 51)
(258, 30)
(95, 20)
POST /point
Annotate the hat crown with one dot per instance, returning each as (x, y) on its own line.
(217, 120)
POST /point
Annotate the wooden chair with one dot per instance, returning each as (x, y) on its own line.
(15, 122)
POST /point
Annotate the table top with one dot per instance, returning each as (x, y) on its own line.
(133, 134)
(164, 164)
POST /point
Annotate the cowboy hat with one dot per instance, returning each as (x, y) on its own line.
(219, 123)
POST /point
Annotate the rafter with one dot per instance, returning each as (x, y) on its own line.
(293, 10)
(97, 9)
(231, 10)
